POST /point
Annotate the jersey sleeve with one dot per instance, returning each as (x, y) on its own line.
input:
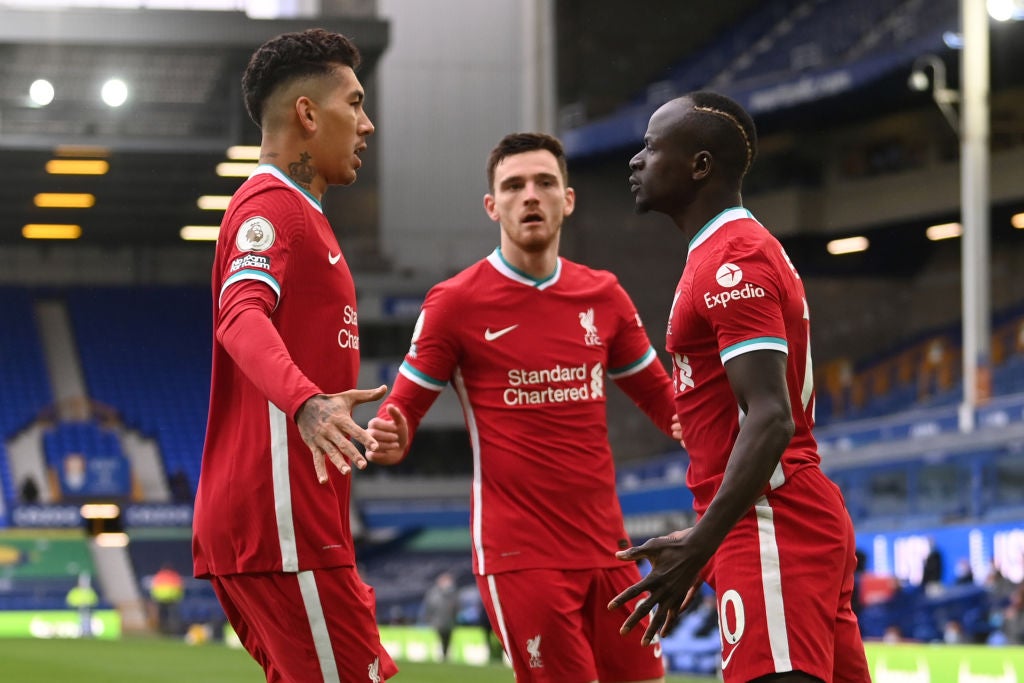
(742, 300)
(429, 364)
(434, 351)
(630, 349)
(246, 332)
(634, 365)
(259, 238)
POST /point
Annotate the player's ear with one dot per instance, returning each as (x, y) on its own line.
(490, 207)
(570, 202)
(702, 163)
(305, 111)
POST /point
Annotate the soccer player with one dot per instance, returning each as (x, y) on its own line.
(773, 536)
(528, 340)
(271, 527)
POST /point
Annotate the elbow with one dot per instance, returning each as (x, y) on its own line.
(784, 426)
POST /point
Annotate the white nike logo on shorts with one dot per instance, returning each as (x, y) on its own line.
(332, 258)
(491, 336)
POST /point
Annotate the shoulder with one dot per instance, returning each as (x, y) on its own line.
(462, 287)
(586, 277)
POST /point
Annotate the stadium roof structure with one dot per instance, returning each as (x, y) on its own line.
(782, 56)
(182, 71)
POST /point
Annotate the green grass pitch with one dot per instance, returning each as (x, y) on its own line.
(152, 660)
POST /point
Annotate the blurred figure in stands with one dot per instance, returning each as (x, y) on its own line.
(931, 572)
(440, 609)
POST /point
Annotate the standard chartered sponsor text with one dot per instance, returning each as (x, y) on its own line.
(534, 387)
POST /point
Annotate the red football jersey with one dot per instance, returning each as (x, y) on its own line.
(528, 359)
(739, 292)
(259, 506)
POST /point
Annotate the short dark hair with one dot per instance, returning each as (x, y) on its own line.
(519, 143)
(730, 128)
(313, 52)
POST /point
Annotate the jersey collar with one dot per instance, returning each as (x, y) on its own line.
(270, 169)
(496, 259)
(712, 226)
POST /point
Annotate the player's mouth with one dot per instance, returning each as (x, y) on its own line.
(634, 184)
(359, 150)
(532, 218)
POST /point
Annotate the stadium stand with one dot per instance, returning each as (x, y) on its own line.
(146, 352)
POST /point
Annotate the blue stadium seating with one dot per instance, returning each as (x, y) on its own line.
(146, 352)
(24, 384)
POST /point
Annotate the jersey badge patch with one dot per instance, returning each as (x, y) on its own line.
(255, 234)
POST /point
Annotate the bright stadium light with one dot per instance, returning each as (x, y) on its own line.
(944, 231)
(1005, 10)
(944, 97)
(114, 92)
(200, 233)
(214, 202)
(848, 245)
(244, 152)
(1017, 221)
(41, 92)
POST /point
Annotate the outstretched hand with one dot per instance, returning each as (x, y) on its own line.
(392, 436)
(672, 583)
(326, 425)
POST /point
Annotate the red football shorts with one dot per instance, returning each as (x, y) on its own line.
(783, 579)
(308, 627)
(556, 627)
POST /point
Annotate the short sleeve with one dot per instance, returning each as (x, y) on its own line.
(630, 349)
(434, 351)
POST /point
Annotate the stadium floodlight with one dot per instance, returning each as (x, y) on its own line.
(1005, 10)
(944, 231)
(848, 245)
(41, 92)
(1017, 221)
(944, 97)
(114, 92)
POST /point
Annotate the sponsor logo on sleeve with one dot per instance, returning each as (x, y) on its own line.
(255, 234)
(250, 261)
(730, 275)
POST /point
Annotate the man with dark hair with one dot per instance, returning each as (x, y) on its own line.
(773, 536)
(271, 527)
(528, 339)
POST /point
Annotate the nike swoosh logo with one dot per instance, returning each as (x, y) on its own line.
(332, 258)
(491, 336)
(725, 662)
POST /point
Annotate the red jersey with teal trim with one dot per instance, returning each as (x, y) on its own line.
(529, 361)
(739, 293)
(259, 506)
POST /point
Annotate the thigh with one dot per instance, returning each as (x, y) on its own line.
(780, 577)
(311, 626)
(618, 657)
(538, 615)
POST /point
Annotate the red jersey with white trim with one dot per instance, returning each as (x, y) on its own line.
(528, 359)
(259, 506)
(739, 292)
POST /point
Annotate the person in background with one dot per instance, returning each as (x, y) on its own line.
(83, 599)
(271, 529)
(528, 340)
(441, 608)
(167, 589)
(773, 536)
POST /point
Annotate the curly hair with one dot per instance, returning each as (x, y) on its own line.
(519, 143)
(289, 56)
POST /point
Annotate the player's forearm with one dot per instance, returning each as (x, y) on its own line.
(252, 341)
(762, 439)
(651, 390)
